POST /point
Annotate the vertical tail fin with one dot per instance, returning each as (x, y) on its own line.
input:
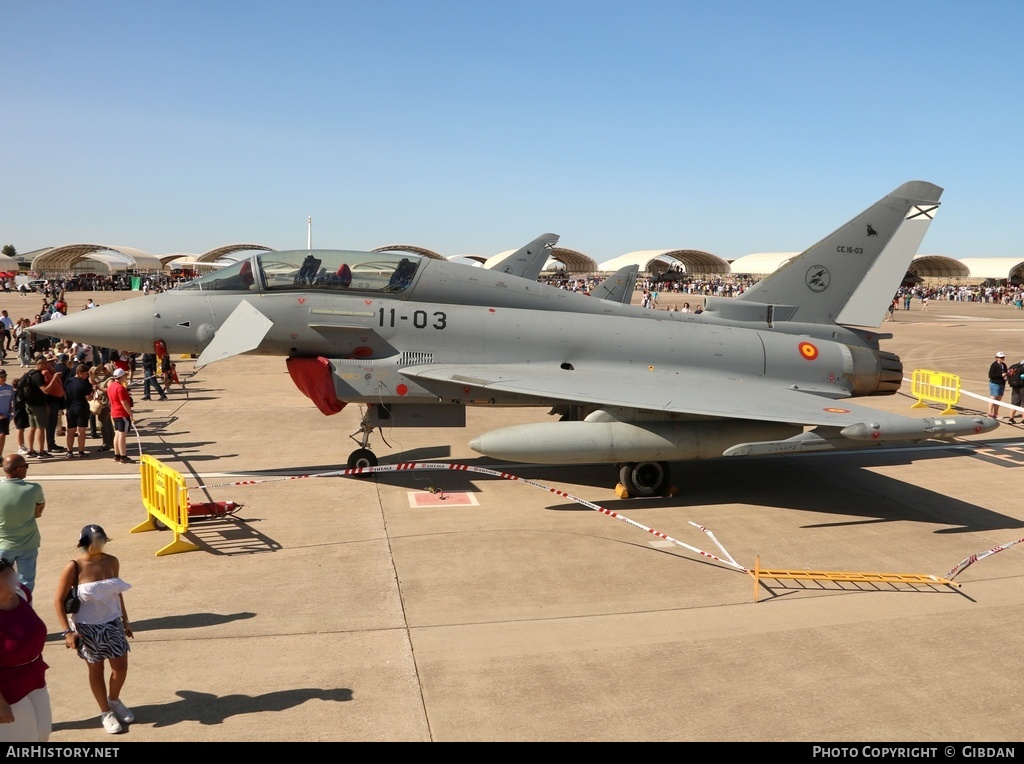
(528, 261)
(851, 275)
(619, 286)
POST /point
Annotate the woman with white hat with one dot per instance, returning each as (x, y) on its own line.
(996, 383)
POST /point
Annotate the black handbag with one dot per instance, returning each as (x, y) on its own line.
(71, 601)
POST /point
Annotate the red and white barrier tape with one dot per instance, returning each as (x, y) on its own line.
(435, 466)
(968, 561)
(726, 559)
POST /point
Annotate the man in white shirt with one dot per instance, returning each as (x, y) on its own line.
(7, 329)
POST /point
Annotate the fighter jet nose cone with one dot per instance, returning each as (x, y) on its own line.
(126, 325)
(477, 444)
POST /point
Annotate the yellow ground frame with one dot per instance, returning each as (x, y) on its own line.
(165, 497)
(841, 577)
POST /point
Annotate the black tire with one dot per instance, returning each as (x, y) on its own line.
(362, 457)
(644, 478)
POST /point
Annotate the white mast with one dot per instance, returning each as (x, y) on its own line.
(309, 233)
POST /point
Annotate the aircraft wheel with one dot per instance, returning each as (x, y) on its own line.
(362, 457)
(644, 478)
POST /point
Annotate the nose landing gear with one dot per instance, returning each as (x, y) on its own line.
(362, 456)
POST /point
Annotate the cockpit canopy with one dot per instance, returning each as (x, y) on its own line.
(303, 270)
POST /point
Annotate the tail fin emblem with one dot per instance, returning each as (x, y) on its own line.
(818, 278)
(872, 231)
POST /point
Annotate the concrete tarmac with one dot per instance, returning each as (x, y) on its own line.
(341, 609)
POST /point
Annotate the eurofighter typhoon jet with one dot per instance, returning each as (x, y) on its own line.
(416, 340)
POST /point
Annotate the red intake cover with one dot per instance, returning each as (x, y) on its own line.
(314, 379)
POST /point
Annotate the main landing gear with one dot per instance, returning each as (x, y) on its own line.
(644, 479)
(362, 456)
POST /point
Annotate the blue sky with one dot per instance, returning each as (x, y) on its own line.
(472, 127)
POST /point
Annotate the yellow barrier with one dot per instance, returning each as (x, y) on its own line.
(165, 497)
(935, 387)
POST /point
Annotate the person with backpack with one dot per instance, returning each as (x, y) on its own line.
(1015, 379)
(31, 391)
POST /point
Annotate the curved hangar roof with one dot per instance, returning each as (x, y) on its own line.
(660, 260)
(574, 262)
(410, 248)
(761, 262)
(229, 249)
(991, 267)
(116, 258)
(939, 266)
(207, 260)
(925, 266)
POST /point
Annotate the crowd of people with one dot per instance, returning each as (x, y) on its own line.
(53, 285)
(71, 390)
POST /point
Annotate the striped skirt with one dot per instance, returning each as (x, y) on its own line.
(101, 640)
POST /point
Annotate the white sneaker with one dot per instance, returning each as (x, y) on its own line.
(123, 712)
(22, 450)
(111, 724)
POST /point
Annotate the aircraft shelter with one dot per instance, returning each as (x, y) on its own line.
(574, 262)
(423, 251)
(761, 262)
(102, 258)
(995, 268)
(658, 261)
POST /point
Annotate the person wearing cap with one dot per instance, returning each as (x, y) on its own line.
(996, 383)
(100, 628)
(121, 414)
(21, 505)
(6, 409)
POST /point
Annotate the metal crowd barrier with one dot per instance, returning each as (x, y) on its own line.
(165, 497)
(935, 387)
